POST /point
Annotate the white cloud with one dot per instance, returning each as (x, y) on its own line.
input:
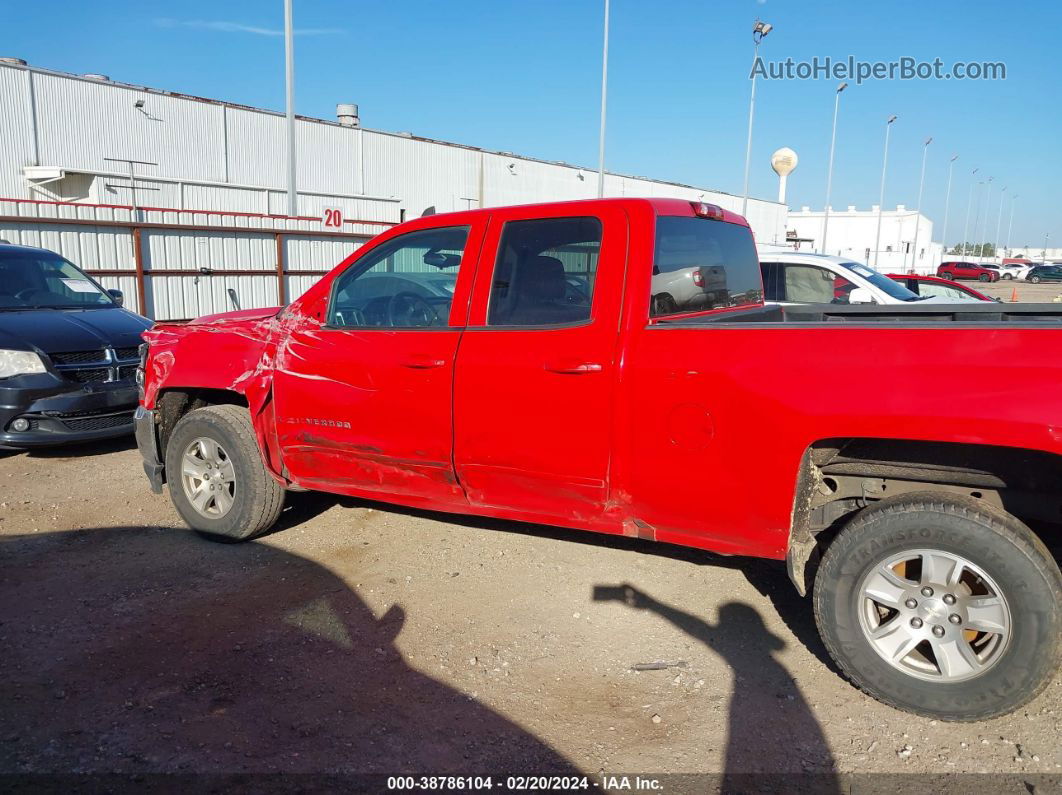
(222, 26)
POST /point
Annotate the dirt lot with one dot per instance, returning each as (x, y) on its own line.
(363, 638)
(1037, 293)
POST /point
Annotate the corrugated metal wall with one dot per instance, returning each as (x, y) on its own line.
(187, 271)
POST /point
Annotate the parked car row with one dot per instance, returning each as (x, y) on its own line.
(1009, 269)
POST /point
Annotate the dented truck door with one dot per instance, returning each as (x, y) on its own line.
(364, 394)
(537, 368)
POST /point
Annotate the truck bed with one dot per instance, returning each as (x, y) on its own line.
(770, 315)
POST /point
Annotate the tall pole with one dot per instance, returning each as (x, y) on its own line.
(984, 229)
(1010, 227)
(829, 169)
(759, 30)
(1046, 235)
(969, 202)
(947, 203)
(881, 199)
(604, 102)
(999, 222)
(918, 212)
(289, 64)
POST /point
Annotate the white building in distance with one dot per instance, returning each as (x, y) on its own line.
(852, 233)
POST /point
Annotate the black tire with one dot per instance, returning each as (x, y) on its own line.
(1035, 279)
(1008, 276)
(664, 304)
(984, 277)
(1005, 549)
(257, 498)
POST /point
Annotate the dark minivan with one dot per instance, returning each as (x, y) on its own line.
(68, 353)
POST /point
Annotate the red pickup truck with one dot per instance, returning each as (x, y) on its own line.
(856, 442)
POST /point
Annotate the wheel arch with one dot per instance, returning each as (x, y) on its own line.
(838, 477)
(175, 402)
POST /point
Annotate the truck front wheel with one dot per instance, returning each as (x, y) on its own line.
(218, 483)
(941, 605)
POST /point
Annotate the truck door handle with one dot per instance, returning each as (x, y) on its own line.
(573, 368)
(423, 363)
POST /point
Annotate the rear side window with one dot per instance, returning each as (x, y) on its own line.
(545, 272)
(701, 264)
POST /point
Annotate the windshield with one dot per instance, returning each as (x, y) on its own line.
(883, 283)
(43, 280)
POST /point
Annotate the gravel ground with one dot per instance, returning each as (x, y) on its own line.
(1027, 292)
(365, 638)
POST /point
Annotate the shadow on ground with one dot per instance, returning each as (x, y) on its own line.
(771, 728)
(135, 649)
(768, 577)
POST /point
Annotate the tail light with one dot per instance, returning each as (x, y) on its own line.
(698, 278)
(705, 210)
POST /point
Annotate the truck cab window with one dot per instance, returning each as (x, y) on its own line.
(702, 264)
(407, 282)
(544, 273)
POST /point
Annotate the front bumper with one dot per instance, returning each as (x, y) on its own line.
(60, 413)
(147, 441)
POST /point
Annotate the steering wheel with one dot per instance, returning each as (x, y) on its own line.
(416, 308)
(23, 295)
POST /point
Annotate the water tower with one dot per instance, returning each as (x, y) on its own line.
(783, 162)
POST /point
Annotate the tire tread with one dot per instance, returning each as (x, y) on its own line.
(1025, 541)
(265, 497)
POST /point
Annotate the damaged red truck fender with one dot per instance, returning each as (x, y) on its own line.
(538, 363)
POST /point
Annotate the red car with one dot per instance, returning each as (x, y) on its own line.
(931, 286)
(967, 270)
(853, 441)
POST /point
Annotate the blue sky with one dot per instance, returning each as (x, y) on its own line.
(525, 76)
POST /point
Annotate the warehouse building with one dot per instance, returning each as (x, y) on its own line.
(906, 237)
(176, 199)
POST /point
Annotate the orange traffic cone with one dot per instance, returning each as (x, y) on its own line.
(1014, 295)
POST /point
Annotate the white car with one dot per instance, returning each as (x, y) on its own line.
(1009, 271)
(792, 277)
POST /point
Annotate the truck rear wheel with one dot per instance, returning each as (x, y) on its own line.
(941, 605)
(218, 483)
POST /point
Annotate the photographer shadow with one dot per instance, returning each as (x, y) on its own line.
(140, 650)
(774, 741)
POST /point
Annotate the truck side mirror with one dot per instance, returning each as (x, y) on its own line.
(861, 295)
(117, 296)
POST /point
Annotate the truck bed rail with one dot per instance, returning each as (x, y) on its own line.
(775, 315)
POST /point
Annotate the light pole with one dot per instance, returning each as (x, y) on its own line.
(289, 68)
(947, 203)
(759, 30)
(918, 212)
(1010, 227)
(999, 221)
(881, 200)
(1046, 235)
(604, 100)
(984, 230)
(969, 202)
(829, 169)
